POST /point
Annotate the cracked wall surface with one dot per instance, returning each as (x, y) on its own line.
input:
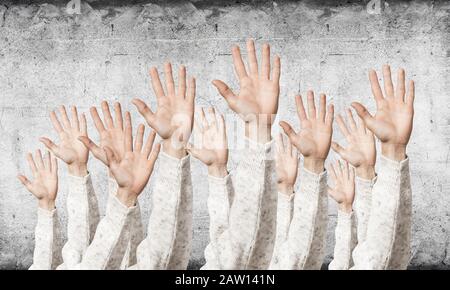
(48, 58)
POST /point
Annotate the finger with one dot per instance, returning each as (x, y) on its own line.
(288, 146)
(221, 126)
(156, 83)
(98, 152)
(276, 70)
(83, 124)
(322, 107)
(311, 105)
(170, 85)
(145, 111)
(138, 142)
(64, 117)
(212, 117)
(401, 90)
(375, 86)
(128, 133)
(118, 115)
(333, 194)
(287, 129)
(351, 120)
(75, 121)
(338, 169)
(337, 148)
(388, 85)
(265, 64)
(39, 160)
(32, 164)
(280, 145)
(239, 66)
(203, 119)
(182, 81)
(149, 143)
(352, 175)
(362, 112)
(191, 90)
(49, 144)
(97, 120)
(411, 94)
(56, 124)
(54, 162)
(300, 108)
(252, 61)
(24, 180)
(225, 91)
(154, 154)
(343, 127)
(107, 115)
(330, 116)
(345, 169)
(47, 161)
(332, 171)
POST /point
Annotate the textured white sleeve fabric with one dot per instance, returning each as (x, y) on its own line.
(47, 238)
(387, 245)
(83, 218)
(219, 203)
(345, 234)
(169, 236)
(137, 229)
(362, 205)
(305, 244)
(247, 242)
(284, 217)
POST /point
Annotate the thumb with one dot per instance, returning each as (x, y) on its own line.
(24, 180)
(49, 144)
(94, 148)
(362, 112)
(224, 90)
(193, 151)
(288, 129)
(338, 149)
(110, 157)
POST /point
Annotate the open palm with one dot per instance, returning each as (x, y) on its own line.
(286, 160)
(259, 87)
(393, 121)
(343, 191)
(314, 138)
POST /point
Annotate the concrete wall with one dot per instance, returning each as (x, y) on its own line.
(49, 58)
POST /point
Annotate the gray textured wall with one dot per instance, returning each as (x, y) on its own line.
(49, 58)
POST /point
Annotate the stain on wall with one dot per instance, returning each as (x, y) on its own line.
(48, 58)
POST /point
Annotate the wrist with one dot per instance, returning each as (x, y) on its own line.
(46, 204)
(259, 130)
(175, 150)
(218, 170)
(76, 169)
(126, 197)
(365, 172)
(285, 188)
(314, 165)
(344, 207)
(395, 152)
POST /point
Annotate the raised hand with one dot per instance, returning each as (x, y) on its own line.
(343, 191)
(286, 160)
(133, 171)
(212, 149)
(360, 151)
(111, 132)
(257, 100)
(393, 121)
(45, 179)
(70, 149)
(173, 118)
(314, 139)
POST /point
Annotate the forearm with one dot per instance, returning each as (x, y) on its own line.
(169, 235)
(305, 245)
(389, 223)
(83, 218)
(47, 249)
(345, 241)
(284, 217)
(362, 205)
